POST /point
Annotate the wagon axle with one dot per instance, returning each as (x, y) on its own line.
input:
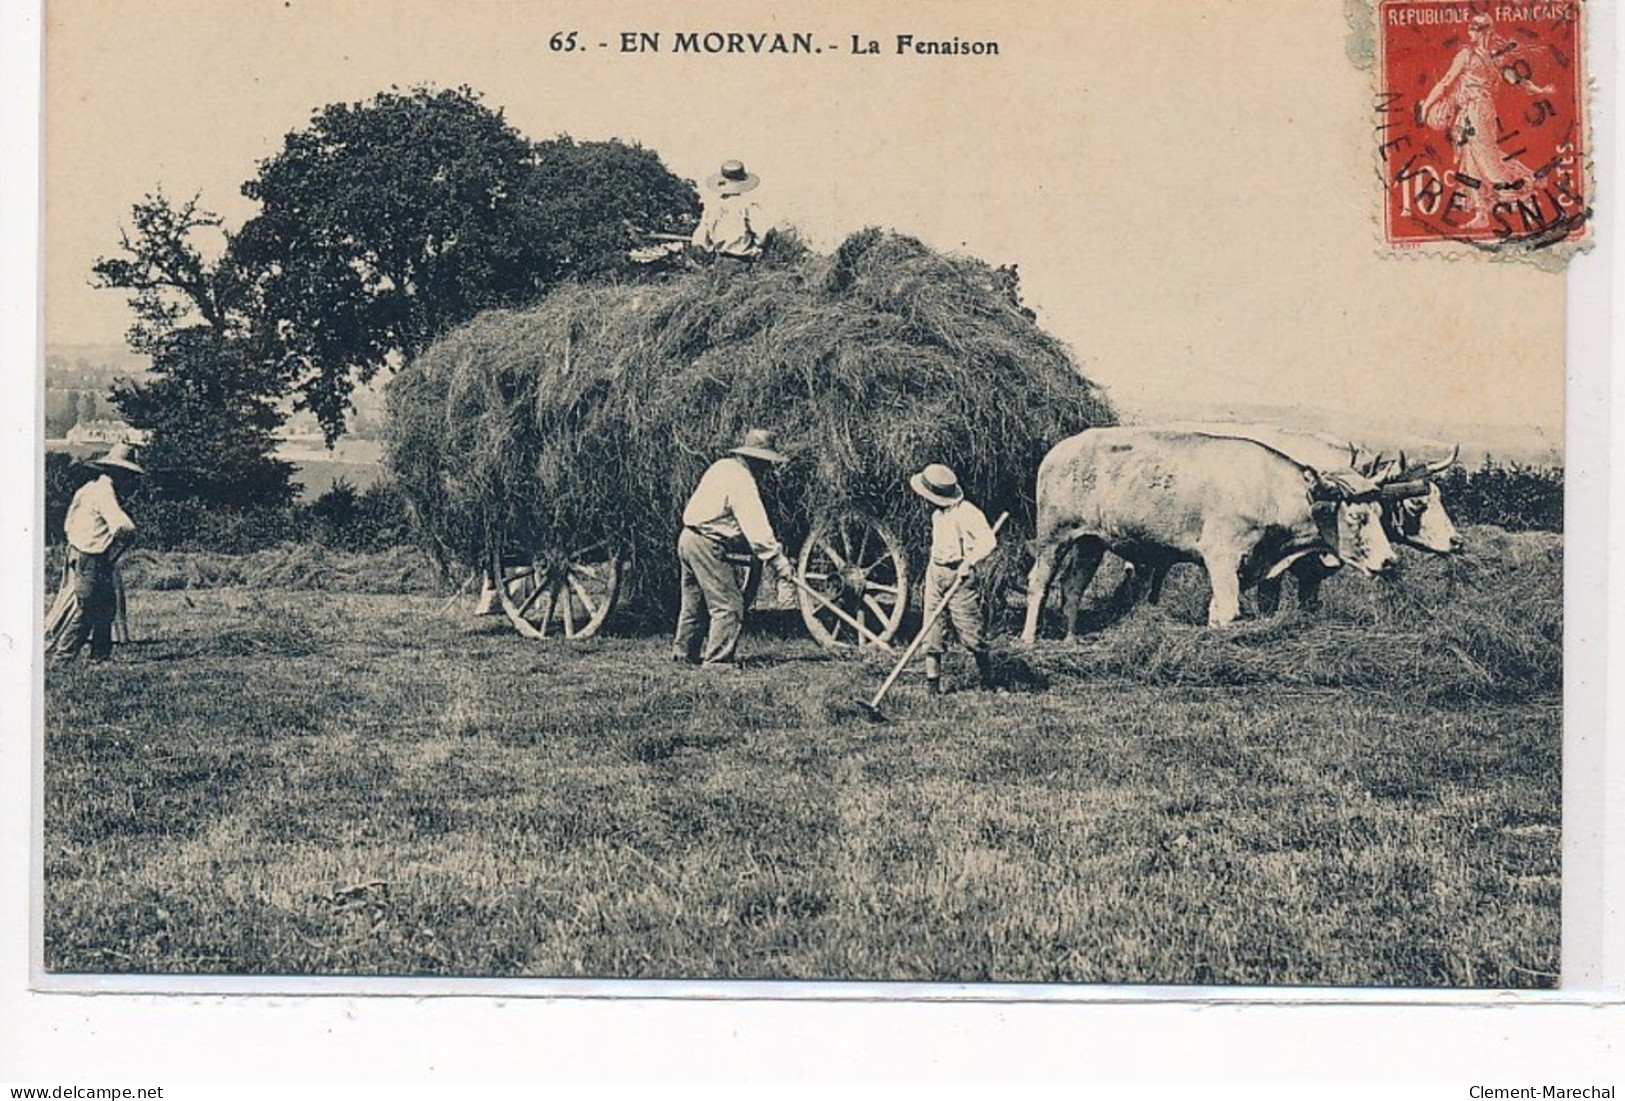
(852, 579)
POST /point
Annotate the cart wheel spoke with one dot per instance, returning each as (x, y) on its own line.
(566, 594)
(880, 613)
(584, 596)
(878, 564)
(530, 600)
(548, 605)
(858, 565)
(568, 607)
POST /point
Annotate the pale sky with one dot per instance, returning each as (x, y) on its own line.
(1188, 186)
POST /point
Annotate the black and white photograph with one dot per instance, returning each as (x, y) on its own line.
(909, 494)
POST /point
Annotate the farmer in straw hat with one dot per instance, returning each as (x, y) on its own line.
(730, 225)
(960, 538)
(98, 530)
(724, 515)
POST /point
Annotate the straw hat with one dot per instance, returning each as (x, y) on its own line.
(759, 444)
(733, 179)
(938, 484)
(120, 457)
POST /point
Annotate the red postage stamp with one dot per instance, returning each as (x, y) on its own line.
(1481, 126)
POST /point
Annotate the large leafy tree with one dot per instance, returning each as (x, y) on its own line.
(211, 406)
(385, 223)
(582, 198)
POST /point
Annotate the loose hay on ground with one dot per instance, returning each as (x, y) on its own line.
(291, 566)
(1486, 625)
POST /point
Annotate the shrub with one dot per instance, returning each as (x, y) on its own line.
(368, 520)
(196, 525)
(1509, 495)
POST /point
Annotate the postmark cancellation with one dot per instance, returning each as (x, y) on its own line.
(1481, 134)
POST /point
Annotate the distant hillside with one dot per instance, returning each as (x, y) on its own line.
(1526, 445)
(92, 367)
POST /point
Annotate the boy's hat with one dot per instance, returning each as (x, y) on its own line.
(120, 457)
(759, 444)
(938, 484)
(732, 179)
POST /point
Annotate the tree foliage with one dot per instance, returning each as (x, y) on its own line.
(211, 408)
(212, 431)
(162, 263)
(383, 224)
(583, 196)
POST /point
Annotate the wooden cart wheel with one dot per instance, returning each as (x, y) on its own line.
(856, 563)
(562, 594)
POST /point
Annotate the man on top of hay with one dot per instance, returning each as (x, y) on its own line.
(728, 227)
(960, 539)
(724, 515)
(97, 528)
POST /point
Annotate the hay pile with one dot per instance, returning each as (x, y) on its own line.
(593, 414)
(1482, 626)
(290, 566)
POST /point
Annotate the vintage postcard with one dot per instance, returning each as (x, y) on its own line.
(940, 496)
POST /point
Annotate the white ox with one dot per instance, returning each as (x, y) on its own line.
(1244, 511)
(1413, 520)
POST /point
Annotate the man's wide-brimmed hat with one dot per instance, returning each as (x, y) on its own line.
(759, 443)
(120, 457)
(938, 484)
(732, 179)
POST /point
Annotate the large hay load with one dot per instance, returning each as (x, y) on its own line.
(568, 435)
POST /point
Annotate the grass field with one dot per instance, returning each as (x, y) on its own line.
(278, 780)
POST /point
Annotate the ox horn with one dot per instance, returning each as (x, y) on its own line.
(1397, 491)
(1330, 486)
(1446, 464)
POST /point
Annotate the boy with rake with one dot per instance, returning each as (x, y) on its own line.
(960, 539)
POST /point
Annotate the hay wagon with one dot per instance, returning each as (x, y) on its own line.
(555, 446)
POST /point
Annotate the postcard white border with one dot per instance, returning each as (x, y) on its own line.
(319, 1029)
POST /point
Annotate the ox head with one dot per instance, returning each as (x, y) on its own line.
(1347, 507)
(1413, 509)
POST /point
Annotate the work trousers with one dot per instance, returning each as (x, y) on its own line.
(709, 590)
(964, 610)
(94, 606)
